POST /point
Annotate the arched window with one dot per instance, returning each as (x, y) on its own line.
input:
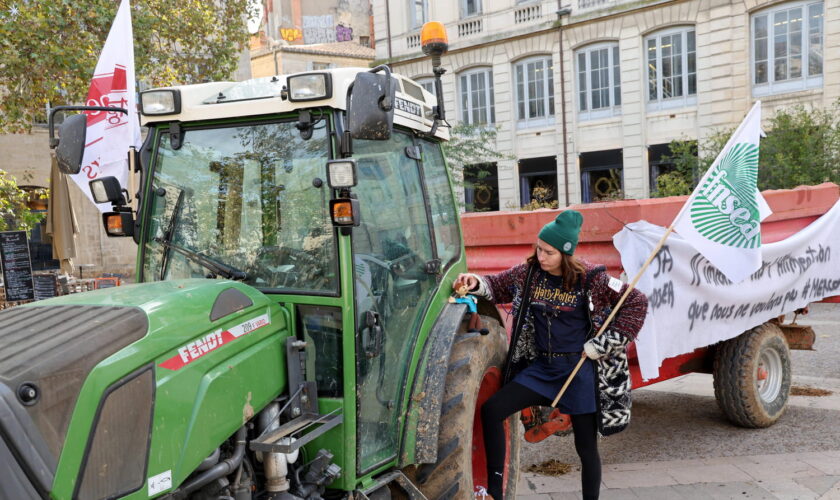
(475, 91)
(534, 79)
(598, 81)
(418, 13)
(672, 68)
(787, 48)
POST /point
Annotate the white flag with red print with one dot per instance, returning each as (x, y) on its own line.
(110, 134)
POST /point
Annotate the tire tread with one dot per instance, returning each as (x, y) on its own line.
(734, 384)
(450, 478)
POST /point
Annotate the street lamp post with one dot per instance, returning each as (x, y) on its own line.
(563, 11)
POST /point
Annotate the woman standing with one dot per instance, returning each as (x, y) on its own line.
(559, 303)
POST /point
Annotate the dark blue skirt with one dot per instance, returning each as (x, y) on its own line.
(546, 376)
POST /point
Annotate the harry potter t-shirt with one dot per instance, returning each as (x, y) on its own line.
(561, 325)
(560, 312)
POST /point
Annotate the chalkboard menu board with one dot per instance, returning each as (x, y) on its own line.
(44, 286)
(17, 268)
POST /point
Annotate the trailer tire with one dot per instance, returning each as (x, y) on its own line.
(752, 376)
(473, 375)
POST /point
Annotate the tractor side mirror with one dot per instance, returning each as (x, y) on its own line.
(71, 145)
(370, 105)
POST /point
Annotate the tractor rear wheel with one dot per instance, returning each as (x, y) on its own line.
(474, 374)
(752, 376)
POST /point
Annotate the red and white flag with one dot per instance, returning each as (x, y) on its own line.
(110, 134)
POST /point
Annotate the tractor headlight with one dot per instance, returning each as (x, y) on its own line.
(98, 191)
(341, 173)
(107, 189)
(160, 102)
(309, 87)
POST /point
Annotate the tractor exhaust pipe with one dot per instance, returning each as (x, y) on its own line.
(276, 465)
(221, 469)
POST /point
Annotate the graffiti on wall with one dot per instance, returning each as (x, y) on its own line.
(318, 29)
(343, 33)
(291, 34)
(322, 29)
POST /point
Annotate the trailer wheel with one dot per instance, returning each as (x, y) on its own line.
(474, 374)
(752, 376)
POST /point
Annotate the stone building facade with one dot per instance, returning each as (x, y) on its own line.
(631, 77)
(269, 59)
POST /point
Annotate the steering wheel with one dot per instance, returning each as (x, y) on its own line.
(268, 267)
(309, 268)
(283, 266)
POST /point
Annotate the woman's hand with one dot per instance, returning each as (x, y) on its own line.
(468, 279)
(589, 350)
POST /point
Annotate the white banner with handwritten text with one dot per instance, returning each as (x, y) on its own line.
(692, 304)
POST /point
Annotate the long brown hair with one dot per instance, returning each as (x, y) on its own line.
(571, 269)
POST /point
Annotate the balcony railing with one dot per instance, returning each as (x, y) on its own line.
(412, 41)
(518, 18)
(471, 27)
(527, 14)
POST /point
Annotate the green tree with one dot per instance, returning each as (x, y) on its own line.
(49, 48)
(802, 147)
(690, 161)
(686, 165)
(15, 214)
(471, 149)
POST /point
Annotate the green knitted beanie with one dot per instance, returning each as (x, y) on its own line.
(562, 233)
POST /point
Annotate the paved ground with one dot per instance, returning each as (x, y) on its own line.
(679, 445)
(801, 476)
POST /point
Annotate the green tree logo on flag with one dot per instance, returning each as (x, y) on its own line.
(722, 217)
(725, 209)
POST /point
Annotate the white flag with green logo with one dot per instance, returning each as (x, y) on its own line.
(722, 218)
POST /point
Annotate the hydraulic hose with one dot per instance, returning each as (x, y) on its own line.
(221, 469)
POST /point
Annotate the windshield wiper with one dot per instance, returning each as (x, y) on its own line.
(170, 231)
(214, 267)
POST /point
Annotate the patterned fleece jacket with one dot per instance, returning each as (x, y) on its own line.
(607, 349)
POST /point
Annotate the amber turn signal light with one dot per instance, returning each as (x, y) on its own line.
(345, 212)
(114, 223)
(118, 223)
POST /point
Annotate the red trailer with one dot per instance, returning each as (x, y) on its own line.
(499, 240)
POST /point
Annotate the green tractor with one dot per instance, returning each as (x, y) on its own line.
(290, 334)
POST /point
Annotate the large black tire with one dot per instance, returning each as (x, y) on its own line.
(472, 358)
(752, 376)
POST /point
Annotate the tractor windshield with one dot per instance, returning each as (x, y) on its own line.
(247, 196)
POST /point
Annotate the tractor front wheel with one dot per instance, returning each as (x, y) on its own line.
(474, 374)
(752, 376)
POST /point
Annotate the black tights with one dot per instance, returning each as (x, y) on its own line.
(514, 397)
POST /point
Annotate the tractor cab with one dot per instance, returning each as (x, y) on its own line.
(349, 229)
